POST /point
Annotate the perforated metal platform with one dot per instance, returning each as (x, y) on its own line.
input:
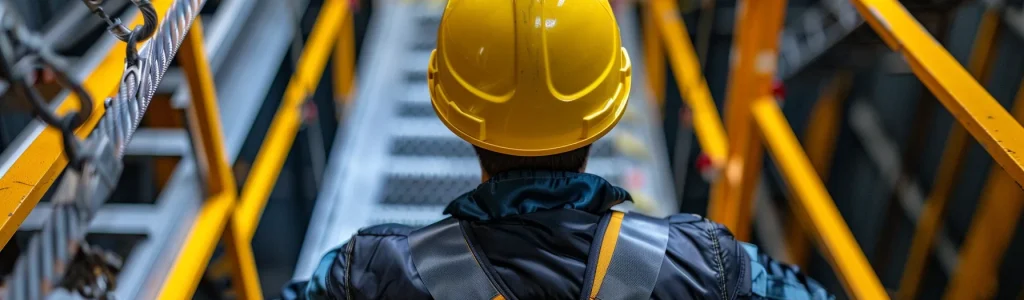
(395, 162)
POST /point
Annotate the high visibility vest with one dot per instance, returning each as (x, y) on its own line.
(629, 250)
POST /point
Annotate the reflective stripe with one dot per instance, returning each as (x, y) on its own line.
(636, 260)
(604, 258)
(447, 265)
(632, 249)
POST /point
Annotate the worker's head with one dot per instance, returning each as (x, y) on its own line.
(530, 83)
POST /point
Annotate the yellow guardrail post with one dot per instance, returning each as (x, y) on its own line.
(654, 56)
(813, 204)
(755, 53)
(820, 139)
(980, 65)
(221, 189)
(345, 61)
(43, 160)
(991, 231)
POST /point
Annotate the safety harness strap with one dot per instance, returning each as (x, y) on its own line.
(632, 249)
(447, 265)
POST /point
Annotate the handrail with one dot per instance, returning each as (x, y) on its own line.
(980, 65)
(39, 164)
(814, 207)
(992, 229)
(242, 217)
(968, 101)
(982, 116)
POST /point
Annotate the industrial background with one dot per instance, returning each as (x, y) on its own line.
(281, 127)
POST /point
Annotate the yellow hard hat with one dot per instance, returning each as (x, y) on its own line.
(529, 77)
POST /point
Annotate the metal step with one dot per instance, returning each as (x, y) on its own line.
(395, 162)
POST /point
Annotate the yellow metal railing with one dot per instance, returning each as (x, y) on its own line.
(222, 217)
(980, 65)
(985, 119)
(39, 165)
(752, 111)
(753, 115)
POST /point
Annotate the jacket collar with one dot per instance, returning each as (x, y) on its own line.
(522, 192)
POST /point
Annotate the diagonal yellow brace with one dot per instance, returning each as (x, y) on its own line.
(285, 125)
(34, 171)
(683, 61)
(814, 205)
(820, 142)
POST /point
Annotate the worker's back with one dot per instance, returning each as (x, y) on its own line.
(532, 84)
(533, 234)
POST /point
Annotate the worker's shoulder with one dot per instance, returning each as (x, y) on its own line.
(718, 262)
(385, 230)
(694, 222)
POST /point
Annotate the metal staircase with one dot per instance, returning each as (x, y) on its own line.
(395, 162)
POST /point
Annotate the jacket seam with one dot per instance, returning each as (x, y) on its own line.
(740, 253)
(381, 234)
(348, 269)
(720, 275)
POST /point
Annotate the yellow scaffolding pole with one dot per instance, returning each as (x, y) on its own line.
(980, 65)
(975, 109)
(991, 231)
(820, 142)
(345, 61)
(683, 61)
(221, 189)
(35, 170)
(654, 56)
(814, 205)
(755, 52)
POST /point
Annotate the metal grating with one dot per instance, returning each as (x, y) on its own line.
(416, 110)
(427, 190)
(422, 189)
(416, 76)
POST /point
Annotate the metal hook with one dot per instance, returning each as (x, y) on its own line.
(114, 25)
(131, 57)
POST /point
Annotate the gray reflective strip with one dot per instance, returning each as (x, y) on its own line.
(636, 262)
(446, 264)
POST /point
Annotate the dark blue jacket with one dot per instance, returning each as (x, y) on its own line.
(535, 229)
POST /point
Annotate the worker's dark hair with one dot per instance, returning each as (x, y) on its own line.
(494, 162)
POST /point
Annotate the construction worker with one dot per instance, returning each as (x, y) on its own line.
(531, 84)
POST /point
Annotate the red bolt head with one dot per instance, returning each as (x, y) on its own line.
(779, 90)
(706, 167)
